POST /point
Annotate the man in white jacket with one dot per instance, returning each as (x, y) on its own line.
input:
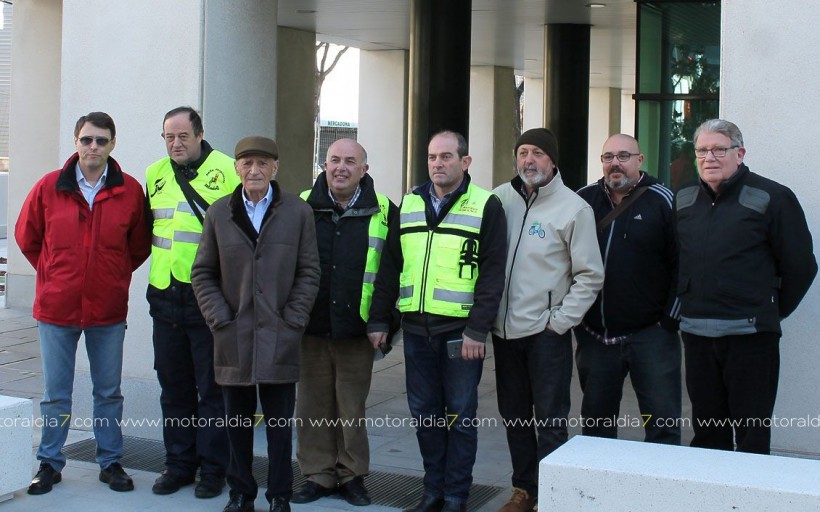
(554, 273)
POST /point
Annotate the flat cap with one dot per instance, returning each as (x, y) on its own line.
(256, 145)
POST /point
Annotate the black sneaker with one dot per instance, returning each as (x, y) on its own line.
(169, 483)
(116, 478)
(209, 486)
(45, 478)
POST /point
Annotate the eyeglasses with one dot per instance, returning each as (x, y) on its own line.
(623, 156)
(716, 152)
(101, 141)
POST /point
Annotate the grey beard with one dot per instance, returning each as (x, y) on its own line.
(619, 184)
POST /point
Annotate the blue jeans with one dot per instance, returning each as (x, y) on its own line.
(58, 348)
(533, 376)
(443, 397)
(652, 357)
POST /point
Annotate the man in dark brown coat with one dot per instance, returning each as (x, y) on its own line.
(255, 276)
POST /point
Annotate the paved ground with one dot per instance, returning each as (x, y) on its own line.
(393, 448)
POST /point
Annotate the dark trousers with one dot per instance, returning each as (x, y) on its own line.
(191, 400)
(732, 382)
(652, 358)
(442, 394)
(277, 401)
(533, 375)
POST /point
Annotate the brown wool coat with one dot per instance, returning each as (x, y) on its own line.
(256, 296)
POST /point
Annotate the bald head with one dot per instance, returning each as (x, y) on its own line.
(621, 159)
(345, 165)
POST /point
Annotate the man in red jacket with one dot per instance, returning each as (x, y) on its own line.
(83, 229)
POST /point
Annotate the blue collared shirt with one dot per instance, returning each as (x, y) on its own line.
(89, 192)
(256, 212)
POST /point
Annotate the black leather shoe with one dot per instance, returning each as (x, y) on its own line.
(428, 504)
(454, 507)
(169, 483)
(209, 486)
(116, 478)
(354, 492)
(45, 478)
(279, 505)
(239, 503)
(311, 491)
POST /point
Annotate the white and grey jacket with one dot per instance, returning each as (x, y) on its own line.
(554, 269)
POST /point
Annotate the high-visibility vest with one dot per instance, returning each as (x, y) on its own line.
(441, 263)
(376, 236)
(177, 230)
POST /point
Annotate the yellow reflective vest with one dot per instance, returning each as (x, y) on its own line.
(376, 236)
(176, 229)
(441, 263)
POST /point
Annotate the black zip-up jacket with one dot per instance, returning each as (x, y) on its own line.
(639, 252)
(342, 238)
(746, 255)
(492, 257)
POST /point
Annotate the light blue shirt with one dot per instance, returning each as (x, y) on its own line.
(89, 192)
(256, 212)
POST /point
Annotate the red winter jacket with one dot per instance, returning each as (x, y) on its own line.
(84, 258)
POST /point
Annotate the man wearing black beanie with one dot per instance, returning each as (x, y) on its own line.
(554, 272)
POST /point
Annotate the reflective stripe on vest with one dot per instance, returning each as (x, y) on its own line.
(176, 230)
(376, 236)
(441, 264)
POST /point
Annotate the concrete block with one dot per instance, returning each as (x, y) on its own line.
(592, 474)
(15, 445)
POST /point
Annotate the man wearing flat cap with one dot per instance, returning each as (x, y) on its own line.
(554, 273)
(255, 276)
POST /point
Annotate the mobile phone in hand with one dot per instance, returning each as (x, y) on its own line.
(454, 348)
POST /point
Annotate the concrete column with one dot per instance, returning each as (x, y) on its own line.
(566, 96)
(492, 114)
(296, 54)
(779, 125)
(383, 118)
(533, 103)
(238, 73)
(604, 120)
(34, 122)
(439, 76)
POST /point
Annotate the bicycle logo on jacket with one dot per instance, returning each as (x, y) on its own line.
(536, 229)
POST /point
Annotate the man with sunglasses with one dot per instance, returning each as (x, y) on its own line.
(180, 187)
(746, 261)
(630, 328)
(83, 229)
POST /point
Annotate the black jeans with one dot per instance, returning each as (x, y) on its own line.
(278, 401)
(732, 383)
(652, 358)
(533, 374)
(184, 361)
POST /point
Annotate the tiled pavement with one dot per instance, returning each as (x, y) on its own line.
(393, 448)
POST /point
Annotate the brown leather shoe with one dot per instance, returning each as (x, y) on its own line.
(520, 501)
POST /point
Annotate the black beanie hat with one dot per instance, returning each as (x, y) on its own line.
(542, 138)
